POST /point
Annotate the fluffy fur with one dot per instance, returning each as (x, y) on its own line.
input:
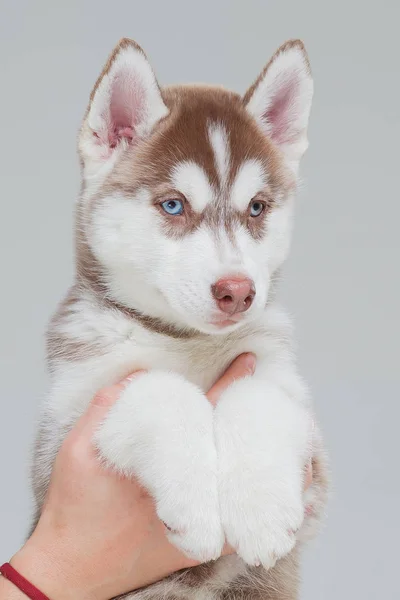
(143, 299)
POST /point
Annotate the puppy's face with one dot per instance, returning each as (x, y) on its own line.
(188, 191)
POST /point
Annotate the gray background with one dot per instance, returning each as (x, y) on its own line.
(342, 281)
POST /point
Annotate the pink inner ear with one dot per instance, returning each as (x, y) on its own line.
(126, 108)
(281, 113)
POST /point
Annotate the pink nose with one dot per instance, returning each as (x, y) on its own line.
(233, 295)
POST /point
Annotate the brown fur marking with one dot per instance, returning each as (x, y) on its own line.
(62, 346)
(184, 136)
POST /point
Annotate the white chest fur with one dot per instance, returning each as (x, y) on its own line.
(121, 346)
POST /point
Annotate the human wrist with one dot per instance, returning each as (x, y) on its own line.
(53, 569)
(9, 591)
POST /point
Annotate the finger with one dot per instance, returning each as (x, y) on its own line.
(243, 366)
(308, 475)
(227, 549)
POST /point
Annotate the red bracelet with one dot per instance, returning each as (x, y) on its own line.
(21, 583)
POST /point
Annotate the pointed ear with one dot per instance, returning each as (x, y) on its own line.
(280, 100)
(125, 104)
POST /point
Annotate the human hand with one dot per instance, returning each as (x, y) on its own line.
(98, 535)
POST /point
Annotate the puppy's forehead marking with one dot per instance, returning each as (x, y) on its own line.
(191, 179)
(250, 179)
(211, 129)
(220, 145)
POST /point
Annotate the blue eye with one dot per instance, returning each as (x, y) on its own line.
(173, 207)
(256, 208)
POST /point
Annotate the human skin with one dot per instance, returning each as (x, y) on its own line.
(98, 535)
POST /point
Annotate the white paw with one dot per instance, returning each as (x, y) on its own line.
(262, 440)
(193, 523)
(161, 431)
(260, 517)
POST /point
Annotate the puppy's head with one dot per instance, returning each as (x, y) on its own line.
(187, 191)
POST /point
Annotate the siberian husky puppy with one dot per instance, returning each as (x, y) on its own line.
(182, 225)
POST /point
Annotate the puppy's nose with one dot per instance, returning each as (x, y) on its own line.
(233, 295)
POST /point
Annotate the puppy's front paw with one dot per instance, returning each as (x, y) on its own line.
(262, 444)
(193, 521)
(260, 516)
(161, 431)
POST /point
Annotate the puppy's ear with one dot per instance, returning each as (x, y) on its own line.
(125, 104)
(280, 100)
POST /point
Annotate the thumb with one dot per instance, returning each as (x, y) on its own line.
(243, 366)
(101, 403)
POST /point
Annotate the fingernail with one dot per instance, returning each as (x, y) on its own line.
(130, 377)
(250, 363)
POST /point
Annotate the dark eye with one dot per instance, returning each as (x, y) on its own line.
(256, 208)
(173, 207)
